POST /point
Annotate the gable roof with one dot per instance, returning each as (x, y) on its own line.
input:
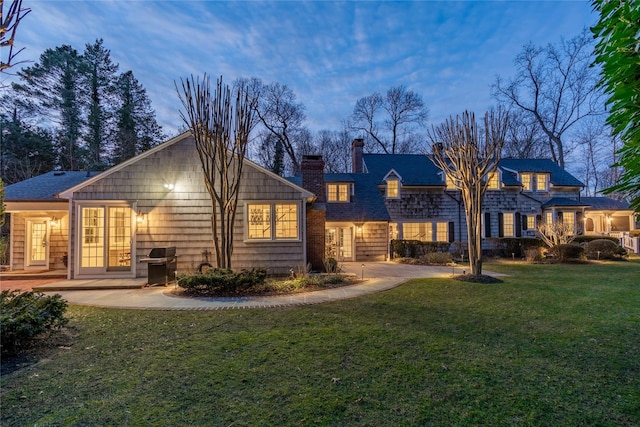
(45, 187)
(559, 176)
(415, 169)
(366, 203)
(69, 192)
(563, 202)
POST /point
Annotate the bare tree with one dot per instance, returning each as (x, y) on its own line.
(278, 111)
(467, 154)
(220, 125)
(557, 86)
(524, 139)
(392, 122)
(556, 233)
(9, 23)
(335, 147)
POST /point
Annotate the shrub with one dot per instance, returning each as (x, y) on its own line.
(567, 251)
(587, 239)
(437, 258)
(222, 281)
(507, 247)
(533, 254)
(604, 249)
(417, 248)
(24, 315)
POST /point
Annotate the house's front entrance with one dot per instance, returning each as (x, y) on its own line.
(37, 240)
(105, 242)
(339, 243)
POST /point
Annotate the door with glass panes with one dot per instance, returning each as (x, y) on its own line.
(37, 240)
(105, 239)
(339, 243)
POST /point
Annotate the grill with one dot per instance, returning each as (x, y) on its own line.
(162, 266)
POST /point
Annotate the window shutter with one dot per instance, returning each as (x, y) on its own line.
(580, 222)
(559, 217)
(487, 224)
(451, 232)
(525, 225)
(500, 225)
(518, 224)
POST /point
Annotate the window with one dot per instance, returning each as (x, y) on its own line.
(541, 182)
(338, 192)
(526, 181)
(569, 220)
(262, 218)
(286, 221)
(548, 218)
(259, 222)
(531, 222)
(508, 224)
(393, 189)
(492, 181)
(422, 231)
(442, 232)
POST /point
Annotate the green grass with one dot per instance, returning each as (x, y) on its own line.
(553, 345)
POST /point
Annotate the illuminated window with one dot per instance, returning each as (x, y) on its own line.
(508, 224)
(393, 188)
(286, 221)
(569, 220)
(492, 181)
(526, 181)
(422, 231)
(548, 218)
(542, 182)
(442, 232)
(338, 192)
(531, 222)
(262, 218)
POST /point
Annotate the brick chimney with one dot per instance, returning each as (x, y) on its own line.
(312, 170)
(357, 147)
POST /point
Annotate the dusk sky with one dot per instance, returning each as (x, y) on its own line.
(329, 53)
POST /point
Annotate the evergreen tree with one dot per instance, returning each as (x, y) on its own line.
(52, 86)
(100, 77)
(137, 129)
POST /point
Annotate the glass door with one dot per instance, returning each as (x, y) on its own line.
(339, 243)
(37, 243)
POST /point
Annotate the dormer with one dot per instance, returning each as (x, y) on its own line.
(394, 183)
(338, 192)
(493, 180)
(538, 181)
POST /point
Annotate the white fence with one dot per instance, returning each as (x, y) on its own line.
(630, 243)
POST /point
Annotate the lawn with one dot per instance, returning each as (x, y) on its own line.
(552, 345)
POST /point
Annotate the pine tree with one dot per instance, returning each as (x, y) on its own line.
(52, 86)
(100, 77)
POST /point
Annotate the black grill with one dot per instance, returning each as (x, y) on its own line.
(162, 265)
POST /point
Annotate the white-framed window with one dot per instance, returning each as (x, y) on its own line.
(531, 222)
(422, 231)
(442, 232)
(492, 181)
(393, 188)
(273, 221)
(569, 220)
(508, 224)
(548, 218)
(450, 183)
(541, 182)
(338, 192)
(526, 179)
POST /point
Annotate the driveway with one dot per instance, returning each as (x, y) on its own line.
(378, 277)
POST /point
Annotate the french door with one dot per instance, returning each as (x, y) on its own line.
(105, 239)
(339, 243)
(37, 243)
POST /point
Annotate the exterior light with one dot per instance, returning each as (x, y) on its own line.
(169, 186)
(55, 222)
(362, 277)
(140, 217)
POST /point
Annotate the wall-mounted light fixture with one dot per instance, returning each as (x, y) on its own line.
(169, 186)
(141, 217)
(55, 222)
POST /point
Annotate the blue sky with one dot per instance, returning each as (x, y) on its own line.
(329, 53)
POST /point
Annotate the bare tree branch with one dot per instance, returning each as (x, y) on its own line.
(8, 28)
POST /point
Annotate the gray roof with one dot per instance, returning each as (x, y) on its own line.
(45, 187)
(366, 203)
(562, 202)
(414, 169)
(559, 176)
(605, 203)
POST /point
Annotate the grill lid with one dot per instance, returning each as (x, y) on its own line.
(167, 252)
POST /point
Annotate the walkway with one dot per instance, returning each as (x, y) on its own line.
(378, 276)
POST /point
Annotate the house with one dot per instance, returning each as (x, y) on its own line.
(100, 225)
(404, 196)
(103, 224)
